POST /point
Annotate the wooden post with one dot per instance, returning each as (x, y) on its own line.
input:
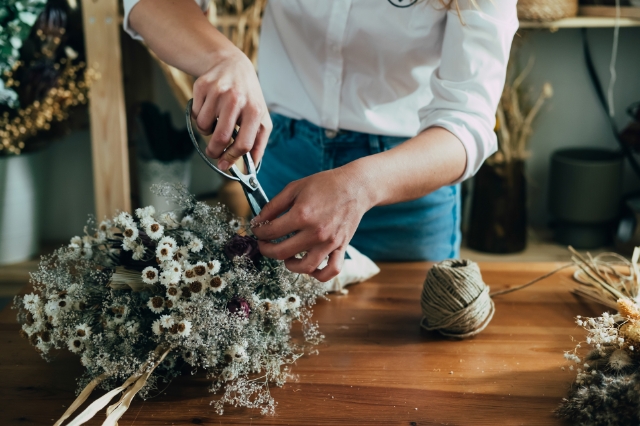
(107, 108)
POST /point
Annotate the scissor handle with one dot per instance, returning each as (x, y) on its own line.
(197, 145)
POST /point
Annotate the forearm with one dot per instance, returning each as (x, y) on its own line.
(417, 167)
(180, 34)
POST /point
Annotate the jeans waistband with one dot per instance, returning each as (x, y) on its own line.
(327, 137)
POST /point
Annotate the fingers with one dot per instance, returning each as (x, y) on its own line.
(333, 268)
(278, 205)
(249, 125)
(309, 263)
(223, 132)
(284, 249)
(261, 140)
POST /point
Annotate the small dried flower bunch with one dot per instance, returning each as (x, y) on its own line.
(43, 84)
(514, 121)
(172, 291)
(607, 385)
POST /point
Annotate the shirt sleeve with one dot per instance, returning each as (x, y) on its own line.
(129, 4)
(468, 83)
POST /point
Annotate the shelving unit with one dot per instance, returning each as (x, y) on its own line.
(580, 22)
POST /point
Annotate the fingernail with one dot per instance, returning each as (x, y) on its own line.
(223, 165)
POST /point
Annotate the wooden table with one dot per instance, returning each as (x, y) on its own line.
(376, 366)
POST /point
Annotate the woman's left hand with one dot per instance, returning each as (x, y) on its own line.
(324, 211)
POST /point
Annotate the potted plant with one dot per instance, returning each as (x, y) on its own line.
(42, 79)
(498, 212)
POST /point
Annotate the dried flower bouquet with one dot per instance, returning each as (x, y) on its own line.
(606, 390)
(141, 298)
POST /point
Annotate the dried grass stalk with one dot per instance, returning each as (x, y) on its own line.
(514, 120)
(607, 277)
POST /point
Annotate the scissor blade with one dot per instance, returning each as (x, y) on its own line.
(257, 199)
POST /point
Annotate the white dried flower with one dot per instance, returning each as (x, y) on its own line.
(31, 302)
(237, 353)
(182, 255)
(164, 252)
(169, 277)
(187, 220)
(168, 241)
(619, 360)
(150, 275)
(166, 321)
(169, 219)
(75, 345)
(213, 266)
(217, 284)
(143, 212)
(195, 245)
(174, 293)
(156, 304)
(235, 224)
(200, 270)
(184, 328)
(86, 251)
(138, 252)
(146, 221)
(83, 331)
(51, 308)
(291, 302)
(154, 230)
(123, 220)
(156, 327)
(131, 232)
(129, 245)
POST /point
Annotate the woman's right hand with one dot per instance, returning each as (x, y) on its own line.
(230, 92)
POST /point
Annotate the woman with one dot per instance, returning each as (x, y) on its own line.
(379, 108)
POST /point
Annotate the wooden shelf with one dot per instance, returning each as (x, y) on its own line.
(580, 22)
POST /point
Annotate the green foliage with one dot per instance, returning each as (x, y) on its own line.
(16, 19)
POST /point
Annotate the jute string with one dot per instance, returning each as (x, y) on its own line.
(455, 300)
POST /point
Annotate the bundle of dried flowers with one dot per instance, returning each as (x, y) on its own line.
(142, 298)
(607, 386)
(513, 119)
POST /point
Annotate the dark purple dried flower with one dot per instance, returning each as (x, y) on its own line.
(240, 245)
(240, 306)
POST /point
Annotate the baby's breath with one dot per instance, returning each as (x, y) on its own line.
(142, 281)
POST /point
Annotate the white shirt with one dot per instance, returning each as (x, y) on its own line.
(373, 67)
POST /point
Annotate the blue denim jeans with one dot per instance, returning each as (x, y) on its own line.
(424, 229)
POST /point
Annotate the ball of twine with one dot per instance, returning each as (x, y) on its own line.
(455, 301)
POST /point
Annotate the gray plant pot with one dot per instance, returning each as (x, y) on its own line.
(584, 195)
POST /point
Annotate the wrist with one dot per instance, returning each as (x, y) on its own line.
(359, 176)
(220, 52)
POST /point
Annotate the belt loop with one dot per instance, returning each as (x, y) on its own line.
(375, 144)
(292, 127)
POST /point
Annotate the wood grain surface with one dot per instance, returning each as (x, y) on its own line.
(375, 367)
(107, 108)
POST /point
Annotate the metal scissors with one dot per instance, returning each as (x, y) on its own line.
(252, 190)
